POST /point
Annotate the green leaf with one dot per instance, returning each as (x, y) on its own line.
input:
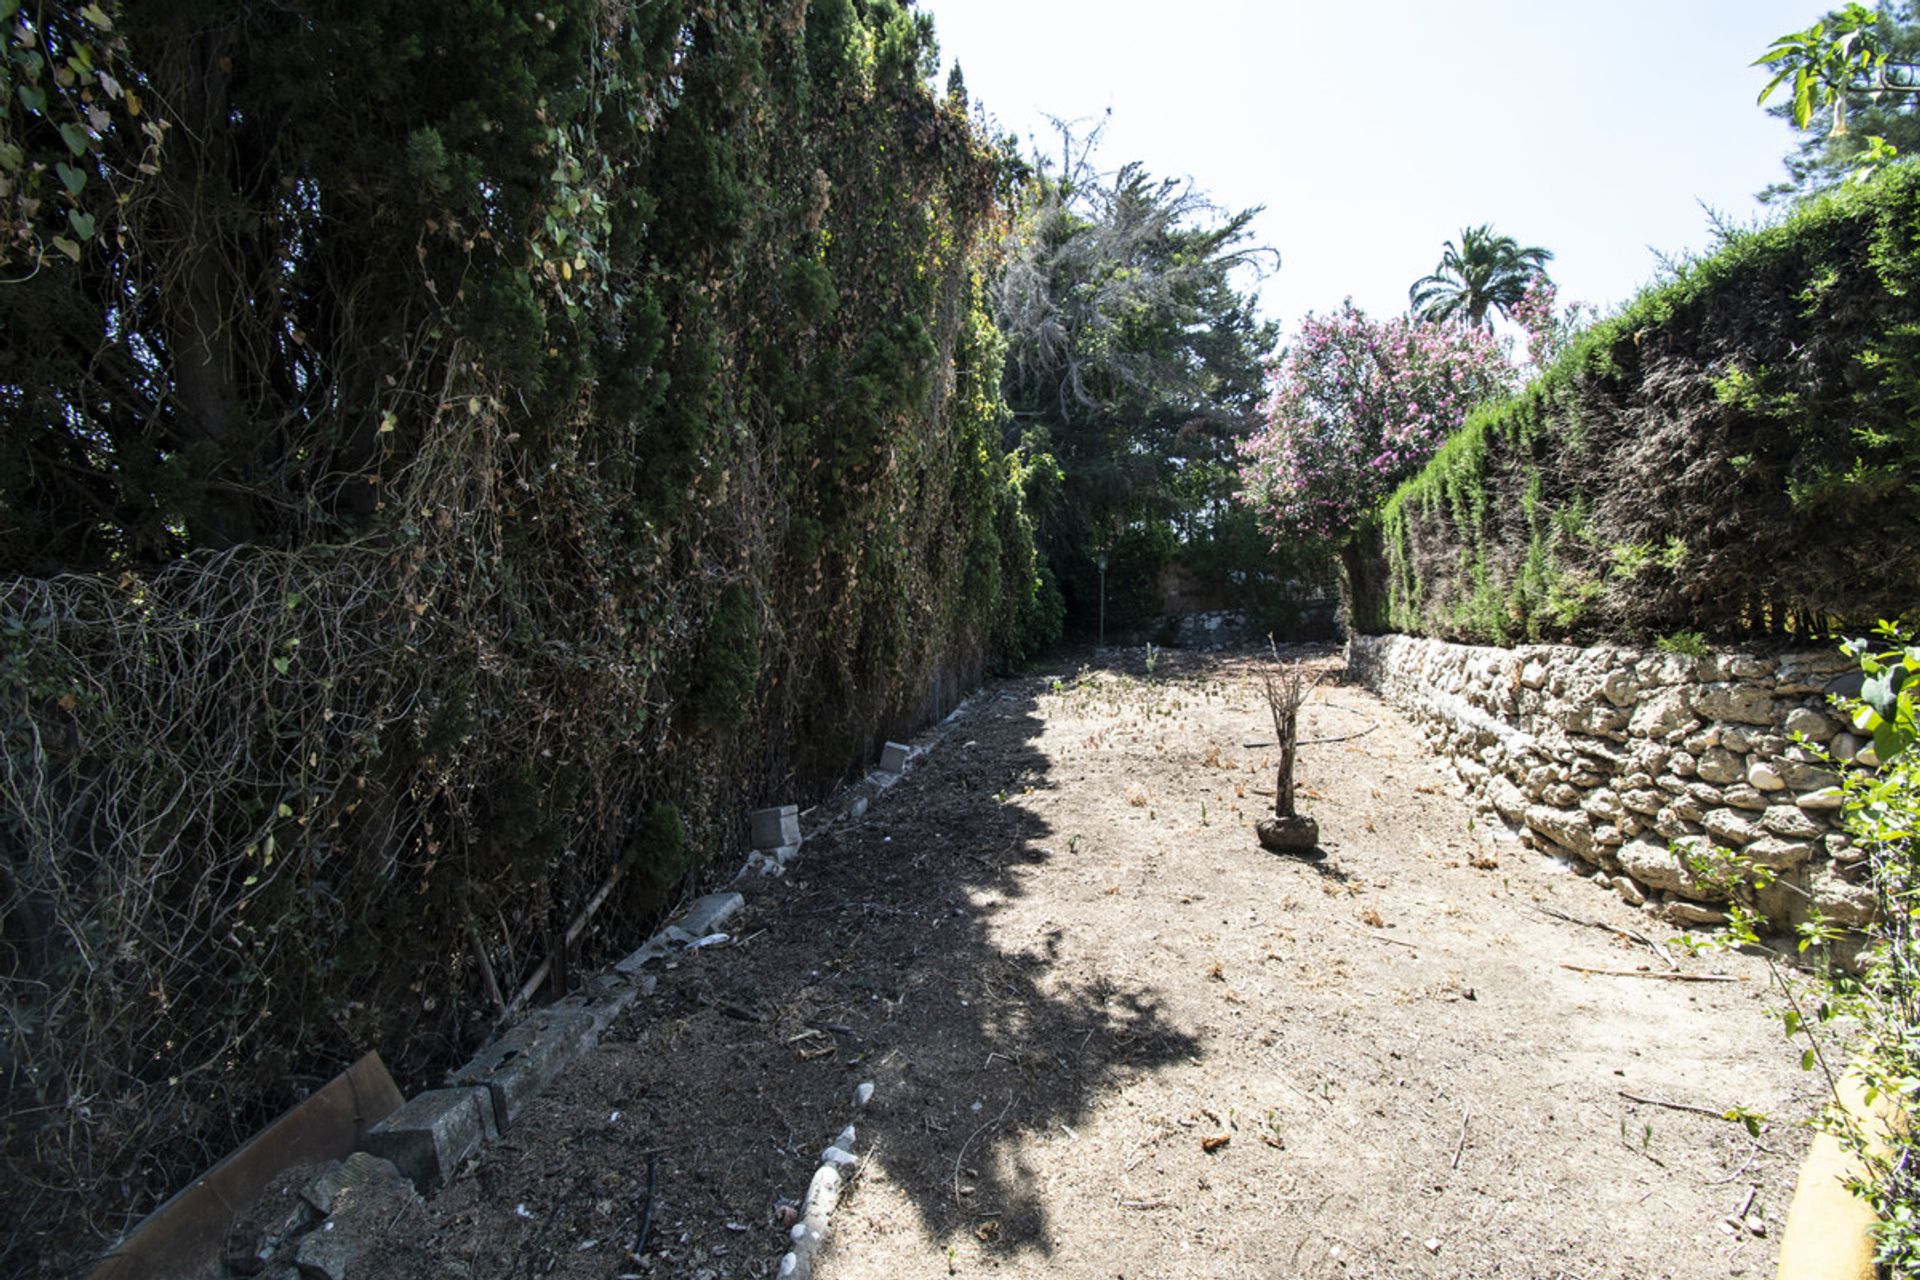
(67, 247)
(33, 98)
(75, 137)
(82, 223)
(281, 665)
(71, 178)
(97, 16)
(1882, 692)
(11, 157)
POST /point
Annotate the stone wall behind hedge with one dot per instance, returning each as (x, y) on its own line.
(1649, 767)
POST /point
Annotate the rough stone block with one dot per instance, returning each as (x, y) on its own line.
(1719, 766)
(1508, 799)
(893, 757)
(1660, 867)
(1841, 902)
(1810, 724)
(428, 1137)
(1777, 854)
(517, 1067)
(1572, 831)
(1731, 825)
(1791, 821)
(363, 1211)
(774, 827)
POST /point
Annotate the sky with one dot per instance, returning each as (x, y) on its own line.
(1373, 134)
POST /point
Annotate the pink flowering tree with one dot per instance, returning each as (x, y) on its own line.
(1355, 407)
(1549, 327)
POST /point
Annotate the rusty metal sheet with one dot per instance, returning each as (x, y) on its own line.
(182, 1239)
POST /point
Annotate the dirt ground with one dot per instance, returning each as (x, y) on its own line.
(1111, 1036)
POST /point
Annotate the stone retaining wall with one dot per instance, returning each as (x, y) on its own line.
(1649, 767)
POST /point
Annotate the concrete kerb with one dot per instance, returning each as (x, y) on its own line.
(1829, 1234)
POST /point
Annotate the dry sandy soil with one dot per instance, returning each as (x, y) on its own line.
(1111, 1036)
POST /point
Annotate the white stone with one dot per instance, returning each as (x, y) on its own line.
(1824, 800)
(1763, 776)
(863, 1094)
(1692, 914)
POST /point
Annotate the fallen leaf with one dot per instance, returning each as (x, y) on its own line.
(1215, 1142)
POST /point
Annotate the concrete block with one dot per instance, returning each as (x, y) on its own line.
(707, 914)
(893, 757)
(517, 1067)
(774, 827)
(603, 999)
(428, 1137)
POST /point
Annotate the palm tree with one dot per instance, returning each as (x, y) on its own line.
(1485, 272)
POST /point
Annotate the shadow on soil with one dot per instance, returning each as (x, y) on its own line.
(978, 1039)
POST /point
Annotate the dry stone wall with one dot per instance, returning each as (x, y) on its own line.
(1651, 768)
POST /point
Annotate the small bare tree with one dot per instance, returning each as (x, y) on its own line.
(1287, 831)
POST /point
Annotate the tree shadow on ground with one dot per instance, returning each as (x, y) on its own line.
(974, 1039)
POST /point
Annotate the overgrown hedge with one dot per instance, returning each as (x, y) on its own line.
(477, 449)
(1734, 454)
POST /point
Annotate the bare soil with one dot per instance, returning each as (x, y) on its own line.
(1111, 1036)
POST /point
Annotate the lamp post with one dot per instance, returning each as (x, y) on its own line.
(1101, 560)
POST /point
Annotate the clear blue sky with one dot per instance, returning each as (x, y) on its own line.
(1373, 133)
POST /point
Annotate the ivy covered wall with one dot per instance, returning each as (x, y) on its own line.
(1734, 454)
(469, 450)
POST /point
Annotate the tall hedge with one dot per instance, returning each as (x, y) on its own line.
(474, 450)
(1735, 453)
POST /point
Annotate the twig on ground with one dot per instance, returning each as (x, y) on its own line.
(1381, 937)
(1629, 934)
(1461, 1146)
(961, 1155)
(731, 1009)
(1647, 973)
(1672, 1106)
(1753, 1149)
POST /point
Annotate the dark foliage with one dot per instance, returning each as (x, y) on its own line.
(475, 449)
